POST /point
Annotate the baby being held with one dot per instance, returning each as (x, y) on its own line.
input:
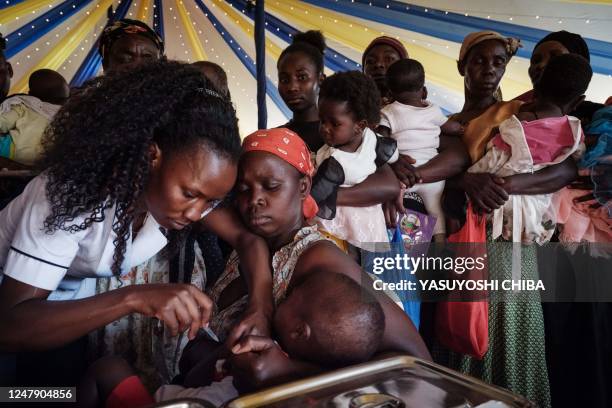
(540, 135)
(416, 124)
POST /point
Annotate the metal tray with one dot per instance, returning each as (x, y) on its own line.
(397, 382)
(183, 403)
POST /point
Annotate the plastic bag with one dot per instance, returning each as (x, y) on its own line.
(464, 326)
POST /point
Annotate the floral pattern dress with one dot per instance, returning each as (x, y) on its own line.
(283, 264)
(143, 341)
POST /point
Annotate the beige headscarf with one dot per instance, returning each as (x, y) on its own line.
(472, 39)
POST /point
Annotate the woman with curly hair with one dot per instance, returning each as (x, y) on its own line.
(136, 155)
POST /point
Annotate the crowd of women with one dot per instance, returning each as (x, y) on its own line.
(148, 209)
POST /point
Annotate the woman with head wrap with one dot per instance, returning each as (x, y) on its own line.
(127, 43)
(516, 355)
(577, 325)
(274, 201)
(378, 57)
(557, 43)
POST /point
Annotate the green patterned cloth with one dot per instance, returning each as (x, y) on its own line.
(516, 358)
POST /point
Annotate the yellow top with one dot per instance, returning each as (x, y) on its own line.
(479, 130)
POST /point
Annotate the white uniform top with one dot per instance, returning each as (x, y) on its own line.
(60, 261)
(416, 129)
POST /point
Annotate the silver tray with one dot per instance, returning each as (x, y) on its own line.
(397, 382)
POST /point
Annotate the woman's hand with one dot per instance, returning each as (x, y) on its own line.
(179, 306)
(256, 321)
(258, 362)
(405, 171)
(486, 191)
(391, 209)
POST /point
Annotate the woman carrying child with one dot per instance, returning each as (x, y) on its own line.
(300, 75)
(516, 329)
(274, 201)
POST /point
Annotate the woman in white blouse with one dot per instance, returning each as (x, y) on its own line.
(130, 161)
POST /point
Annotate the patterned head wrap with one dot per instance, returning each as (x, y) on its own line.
(288, 146)
(385, 40)
(472, 39)
(119, 28)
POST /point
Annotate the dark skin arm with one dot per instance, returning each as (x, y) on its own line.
(12, 165)
(255, 256)
(259, 362)
(384, 131)
(400, 334)
(452, 159)
(30, 322)
(488, 192)
(380, 187)
(545, 181)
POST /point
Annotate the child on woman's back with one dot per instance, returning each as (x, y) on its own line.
(415, 124)
(348, 109)
(540, 135)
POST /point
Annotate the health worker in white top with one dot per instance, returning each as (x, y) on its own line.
(131, 160)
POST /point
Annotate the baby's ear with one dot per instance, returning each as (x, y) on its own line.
(301, 332)
(360, 126)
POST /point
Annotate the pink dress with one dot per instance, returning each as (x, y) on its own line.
(525, 147)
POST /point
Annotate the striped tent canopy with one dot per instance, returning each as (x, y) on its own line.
(62, 35)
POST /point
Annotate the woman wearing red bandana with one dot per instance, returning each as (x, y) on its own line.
(273, 199)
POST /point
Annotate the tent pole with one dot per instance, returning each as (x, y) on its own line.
(260, 50)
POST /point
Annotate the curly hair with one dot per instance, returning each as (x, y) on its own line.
(312, 44)
(359, 91)
(97, 148)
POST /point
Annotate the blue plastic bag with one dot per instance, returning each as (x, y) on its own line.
(411, 307)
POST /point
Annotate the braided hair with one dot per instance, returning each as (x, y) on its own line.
(97, 149)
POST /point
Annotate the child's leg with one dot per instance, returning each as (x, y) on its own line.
(111, 382)
(432, 197)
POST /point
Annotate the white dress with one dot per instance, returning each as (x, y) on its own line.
(417, 132)
(357, 225)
